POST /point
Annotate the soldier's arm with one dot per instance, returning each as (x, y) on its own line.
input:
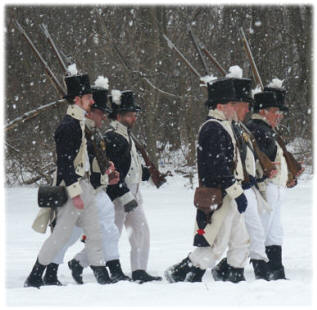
(66, 144)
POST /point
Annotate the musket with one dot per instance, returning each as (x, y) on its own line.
(201, 57)
(172, 46)
(214, 61)
(157, 177)
(294, 167)
(93, 135)
(266, 164)
(58, 86)
(254, 68)
(33, 113)
(51, 42)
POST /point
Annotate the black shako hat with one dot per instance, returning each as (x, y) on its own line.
(270, 97)
(77, 85)
(100, 96)
(122, 101)
(225, 90)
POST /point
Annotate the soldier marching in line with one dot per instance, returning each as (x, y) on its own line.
(256, 205)
(74, 171)
(220, 174)
(126, 195)
(269, 106)
(110, 233)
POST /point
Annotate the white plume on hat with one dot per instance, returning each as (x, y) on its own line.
(276, 83)
(256, 90)
(207, 79)
(116, 96)
(72, 70)
(102, 82)
(235, 72)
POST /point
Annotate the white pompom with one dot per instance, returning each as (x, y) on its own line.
(235, 72)
(276, 83)
(102, 82)
(258, 89)
(116, 96)
(72, 70)
(207, 79)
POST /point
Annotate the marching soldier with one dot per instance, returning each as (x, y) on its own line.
(269, 106)
(110, 232)
(73, 171)
(256, 203)
(220, 200)
(126, 195)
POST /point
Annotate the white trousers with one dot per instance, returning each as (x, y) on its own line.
(138, 230)
(232, 234)
(110, 233)
(255, 227)
(67, 218)
(272, 220)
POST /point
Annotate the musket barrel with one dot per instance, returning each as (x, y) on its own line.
(214, 61)
(51, 75)
(172, 46)
(254, 68)
(51, 42)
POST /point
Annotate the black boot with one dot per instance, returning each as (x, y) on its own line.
(101, 274)
(235, 275)
(35, 277)
(261, 269)
(77, 270)
(142, 276)
(184, 271)
(276, 268)
(50, 277)
(220, 271)
(116, 271)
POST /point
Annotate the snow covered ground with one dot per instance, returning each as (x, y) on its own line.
(170, 213)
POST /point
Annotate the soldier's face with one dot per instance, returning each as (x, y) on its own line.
(86, 101)
(273, 116)
(228, 110)
(97, 116)
(241, 108)
(128, 119)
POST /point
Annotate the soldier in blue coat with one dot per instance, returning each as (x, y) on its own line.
(73, 172)
(221, 224)
(126, 195)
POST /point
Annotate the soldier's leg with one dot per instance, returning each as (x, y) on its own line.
(274, 237)
(67, 217)
(257, 237)
(76, 233)
(238, 248)
(254, 227)
(193, 267)
(50, 277)
(139, 238)
(90, 222)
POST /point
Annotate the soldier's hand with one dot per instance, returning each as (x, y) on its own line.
(273, 173)
(78, 202)
(111, 168)
(300, 172)
(114, 177)
(131, 205)
(242, 203)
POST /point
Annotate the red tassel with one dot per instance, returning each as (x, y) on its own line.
(200, 232)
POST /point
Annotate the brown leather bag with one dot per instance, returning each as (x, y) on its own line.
(206, 197)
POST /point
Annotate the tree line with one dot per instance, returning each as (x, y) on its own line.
(126, 44)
